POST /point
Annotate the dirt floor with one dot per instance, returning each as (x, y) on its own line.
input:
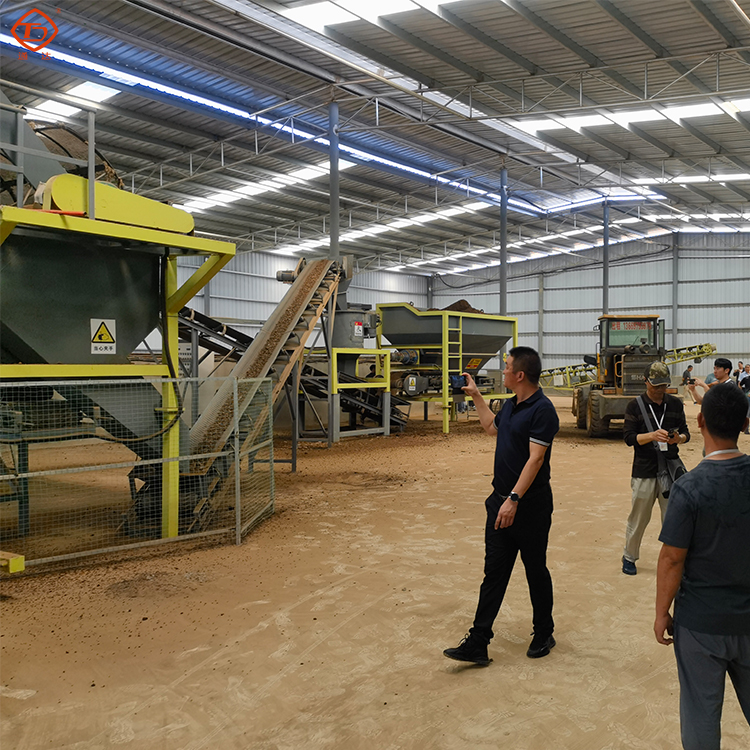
(325, 629)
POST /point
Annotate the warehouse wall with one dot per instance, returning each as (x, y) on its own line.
(713, 295)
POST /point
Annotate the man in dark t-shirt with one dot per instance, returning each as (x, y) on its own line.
(704, 567)
(519, 510)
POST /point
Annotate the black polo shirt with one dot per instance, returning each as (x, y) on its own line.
(533, 420)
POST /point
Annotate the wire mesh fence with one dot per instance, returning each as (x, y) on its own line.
(96, 466)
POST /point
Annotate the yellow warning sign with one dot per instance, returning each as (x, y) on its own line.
(472, 364)
(103, 336)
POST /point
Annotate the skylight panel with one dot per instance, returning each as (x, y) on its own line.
(424, 218)
(286, 179)
(574, 232)
(588, 121)
(319, 15)
(37, 114)
(532, 126)
(200, 204)
(251, 189)
(349, 236)
(448, 212)
(433, 5)
(93, 92)
(743, 105)
(401, 223)
(638, 115)
(477, 206)
(693, 178)
(371, 11)
(58, 108)
(308, 173)
(223, 197)
(692, 110)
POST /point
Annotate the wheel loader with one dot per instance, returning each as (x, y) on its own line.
(627, 344)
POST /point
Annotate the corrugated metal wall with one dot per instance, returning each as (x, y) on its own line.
(713, 295)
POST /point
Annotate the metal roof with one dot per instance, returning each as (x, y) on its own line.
(434, 102)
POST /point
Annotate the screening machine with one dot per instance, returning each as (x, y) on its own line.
(80, 288)
(77, 295)
(433, 347)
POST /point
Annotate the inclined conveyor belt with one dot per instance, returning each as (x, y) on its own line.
(280, 343)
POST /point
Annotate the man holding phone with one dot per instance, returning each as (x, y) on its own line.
(667, 430)
(519, 510)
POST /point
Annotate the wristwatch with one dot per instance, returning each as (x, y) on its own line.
(514, 496)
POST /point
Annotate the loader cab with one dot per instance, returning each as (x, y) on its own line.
(627, 343)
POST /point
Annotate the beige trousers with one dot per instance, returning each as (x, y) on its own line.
(645, 494)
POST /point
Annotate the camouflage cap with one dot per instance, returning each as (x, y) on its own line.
(657, 373)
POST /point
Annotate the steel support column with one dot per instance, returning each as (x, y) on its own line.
(605, 260)
(675, 282)
(333, 140)
(194, 373)
(92, 166)
(207, 299)
(540, 318)
(503, 241)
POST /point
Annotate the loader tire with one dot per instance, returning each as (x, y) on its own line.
(596, 426)
(580, 403)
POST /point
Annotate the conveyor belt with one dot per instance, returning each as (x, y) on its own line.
(274, 351)
(366, 402)
(212, 335)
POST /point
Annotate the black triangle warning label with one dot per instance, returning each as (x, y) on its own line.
(102, 335)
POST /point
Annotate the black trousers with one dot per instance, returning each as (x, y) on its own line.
(528, 535)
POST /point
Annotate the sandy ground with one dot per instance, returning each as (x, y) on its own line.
(325, 628)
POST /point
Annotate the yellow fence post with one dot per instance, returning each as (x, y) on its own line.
(170, 470)
(446, 384)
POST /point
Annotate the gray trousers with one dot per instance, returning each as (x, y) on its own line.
(703, 662)
(645, 494)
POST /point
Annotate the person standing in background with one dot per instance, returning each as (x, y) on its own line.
(687, 376)
(667, 430)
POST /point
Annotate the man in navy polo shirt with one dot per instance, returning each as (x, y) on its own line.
(519, 510)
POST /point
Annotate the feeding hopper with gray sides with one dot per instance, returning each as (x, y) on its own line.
(482, 336)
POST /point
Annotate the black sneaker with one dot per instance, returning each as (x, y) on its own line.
(628, 567)
(540, 646)
(470, 649)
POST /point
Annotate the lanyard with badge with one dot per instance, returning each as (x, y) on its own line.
(659, 422)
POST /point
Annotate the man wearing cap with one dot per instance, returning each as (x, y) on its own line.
(667, 429)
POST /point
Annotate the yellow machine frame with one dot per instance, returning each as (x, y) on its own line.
(446, 397)
(219, 254)
(384, 381)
